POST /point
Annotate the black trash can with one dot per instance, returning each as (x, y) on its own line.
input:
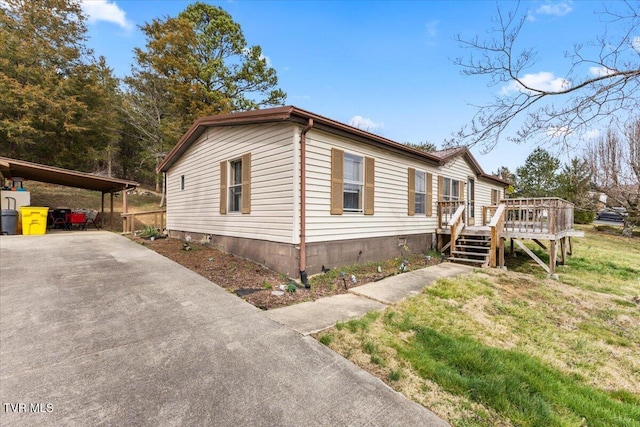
(9, 218)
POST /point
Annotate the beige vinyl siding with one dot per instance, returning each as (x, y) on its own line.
(197, 207)
(483, 192)
(390, 217)
(460, 170)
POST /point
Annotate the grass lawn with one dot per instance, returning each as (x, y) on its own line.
(515, 348)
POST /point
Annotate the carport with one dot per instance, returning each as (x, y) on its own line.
(11, 168)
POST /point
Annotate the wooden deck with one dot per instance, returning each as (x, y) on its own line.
(537, 219)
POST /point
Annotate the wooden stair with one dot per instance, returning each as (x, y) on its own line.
(472, 247)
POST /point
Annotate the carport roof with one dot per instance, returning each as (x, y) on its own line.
(12, 168)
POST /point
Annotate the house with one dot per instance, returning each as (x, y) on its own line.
(296, 191)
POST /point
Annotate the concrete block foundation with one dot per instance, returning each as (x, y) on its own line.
(284, 258)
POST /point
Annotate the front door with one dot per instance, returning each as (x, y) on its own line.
(471, 204)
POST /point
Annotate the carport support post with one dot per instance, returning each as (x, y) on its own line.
(102, 206)
(125, 209)
(111, 211)
(125, 205)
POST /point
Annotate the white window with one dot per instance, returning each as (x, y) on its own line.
(235, 185)
(421, 193)
(450, 190)
(353, 182)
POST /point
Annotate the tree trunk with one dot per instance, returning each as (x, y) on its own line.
(627, 229)
(164, 185)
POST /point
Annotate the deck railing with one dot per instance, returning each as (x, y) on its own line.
(456, 225)
(487, 213)
(446, 211)
(547, 215)
(129, 220)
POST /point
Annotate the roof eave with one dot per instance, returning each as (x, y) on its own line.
(288, 113)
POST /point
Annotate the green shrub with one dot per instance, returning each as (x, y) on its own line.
(583, 216)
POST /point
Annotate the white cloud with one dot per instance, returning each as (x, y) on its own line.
(104, 10)
(543, 81)
(591, 134)
(565, 131)
(555, 8)
(365, 123)
(559, 131)
(247, 52)
(601, 71)
(432, 28)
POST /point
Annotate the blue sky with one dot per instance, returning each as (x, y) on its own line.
(383, 65)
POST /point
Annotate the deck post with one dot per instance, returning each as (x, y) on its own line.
(552, 257)
(563, 250)
(570, 251)
(501, 253)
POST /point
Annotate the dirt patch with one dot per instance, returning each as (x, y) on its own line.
(267, 289)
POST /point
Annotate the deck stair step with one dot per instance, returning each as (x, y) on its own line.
(487, 246)
(465, 254)
(468, 260)
(472, 247)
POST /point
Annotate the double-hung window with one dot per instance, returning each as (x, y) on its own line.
(421, 193)
(450, 190)
(353, 183)
(235, 185)
(495, 197)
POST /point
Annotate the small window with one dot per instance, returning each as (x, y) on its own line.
(421, 193)
(181, 182)
(235, 185)
(353, 183)
(495, 197)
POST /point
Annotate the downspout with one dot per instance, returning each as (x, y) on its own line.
(303, 204)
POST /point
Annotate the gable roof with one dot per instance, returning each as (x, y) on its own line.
(449, 154)
(11, 168)
(302, 117)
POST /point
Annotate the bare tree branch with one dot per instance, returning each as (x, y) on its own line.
(594, 90)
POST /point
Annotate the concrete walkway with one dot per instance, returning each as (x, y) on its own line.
(314, 316)
(98, 330)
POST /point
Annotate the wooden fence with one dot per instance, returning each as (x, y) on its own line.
(129, 220)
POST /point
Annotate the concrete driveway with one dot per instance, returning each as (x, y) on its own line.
(98, 330)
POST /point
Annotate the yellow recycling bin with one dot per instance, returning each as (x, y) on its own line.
(34, 219)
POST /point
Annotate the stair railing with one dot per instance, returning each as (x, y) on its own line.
(456, 224)
(496, 225)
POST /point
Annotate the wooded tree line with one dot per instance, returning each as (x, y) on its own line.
(59, 105)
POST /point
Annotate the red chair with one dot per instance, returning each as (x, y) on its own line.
(77, 218)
